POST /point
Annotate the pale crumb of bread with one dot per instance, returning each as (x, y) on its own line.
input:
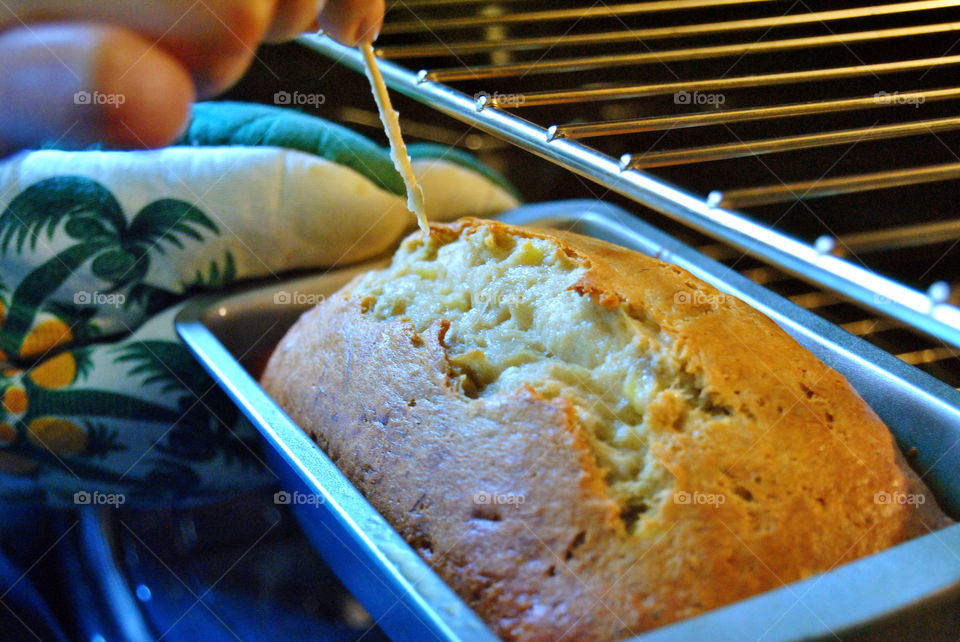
(515, 320)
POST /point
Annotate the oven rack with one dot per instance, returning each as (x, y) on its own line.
(510, 67)
(893, 336)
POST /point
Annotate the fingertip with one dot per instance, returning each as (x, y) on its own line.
(147, 92)
(293, 18)
(369, 27)
(73, 85)
(351, 22)
(219, 56)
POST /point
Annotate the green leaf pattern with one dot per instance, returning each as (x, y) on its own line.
(93, 397)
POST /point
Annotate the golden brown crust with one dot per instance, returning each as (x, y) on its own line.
(797, 456)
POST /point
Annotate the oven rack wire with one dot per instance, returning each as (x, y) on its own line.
(473, 49)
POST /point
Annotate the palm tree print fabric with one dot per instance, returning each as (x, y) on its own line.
(133, 416)
(98, 251)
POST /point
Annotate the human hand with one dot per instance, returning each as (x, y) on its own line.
(77, 72)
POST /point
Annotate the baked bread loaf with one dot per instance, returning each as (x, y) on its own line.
(585, 442)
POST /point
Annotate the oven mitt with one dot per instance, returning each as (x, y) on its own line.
(101, 402)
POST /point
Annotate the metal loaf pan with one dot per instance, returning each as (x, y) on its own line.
(916, 584)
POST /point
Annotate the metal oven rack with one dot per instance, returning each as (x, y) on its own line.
(738, 119)
(925, 353)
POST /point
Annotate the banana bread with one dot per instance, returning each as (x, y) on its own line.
(586, 442)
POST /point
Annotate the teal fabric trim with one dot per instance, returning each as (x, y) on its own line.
(218, 123)
(233, 123)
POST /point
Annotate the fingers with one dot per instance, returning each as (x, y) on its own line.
(79, 84)
(214, 39)
(146, 61)
(353, 21)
